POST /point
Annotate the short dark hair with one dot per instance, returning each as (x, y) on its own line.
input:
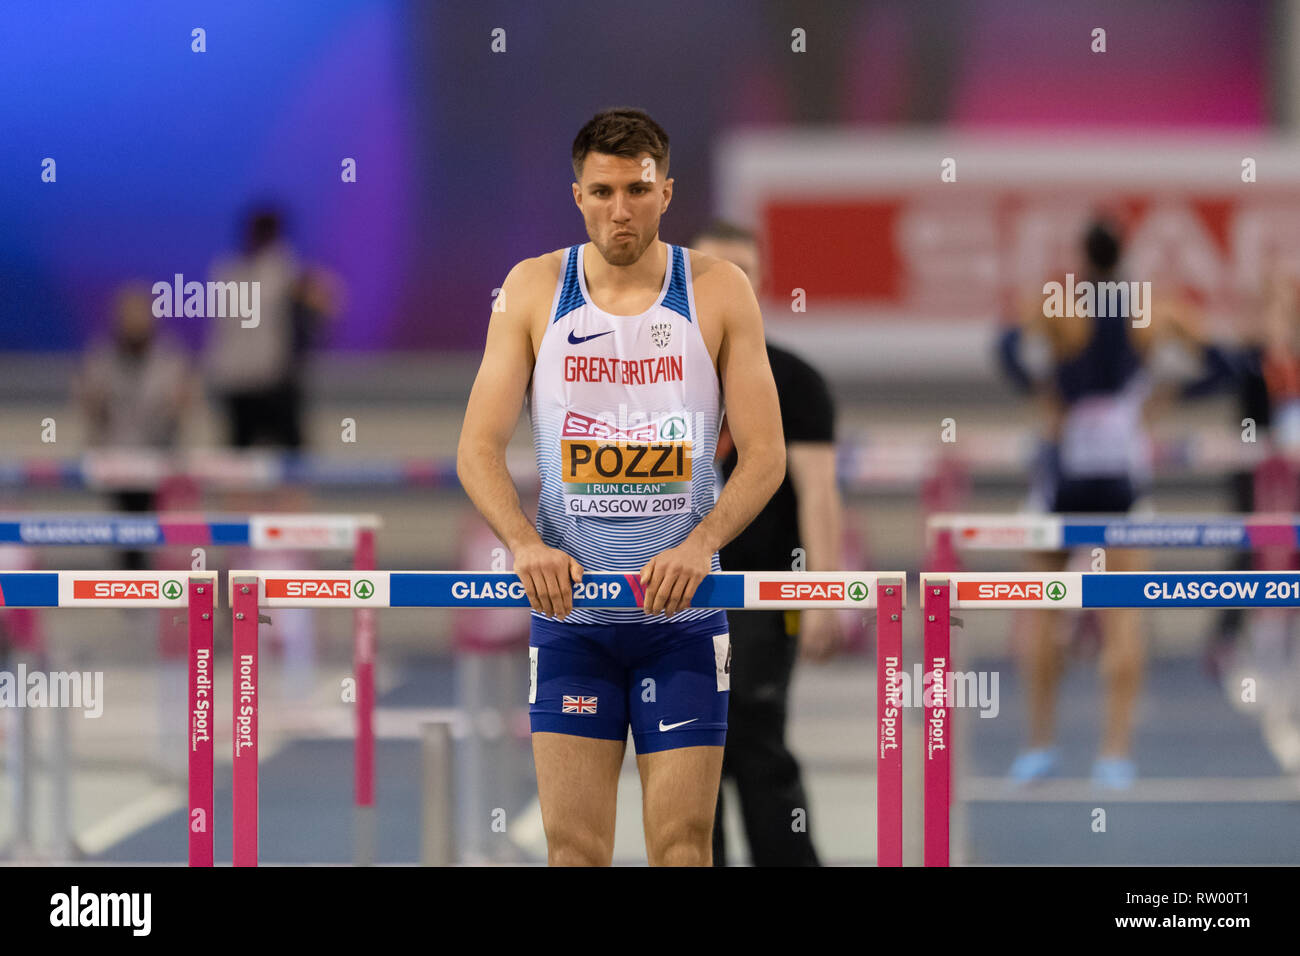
(720, 230)
(263, 225)
(622, 131)
(1101, 244)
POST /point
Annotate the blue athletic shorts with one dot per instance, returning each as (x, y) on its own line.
(671, 682)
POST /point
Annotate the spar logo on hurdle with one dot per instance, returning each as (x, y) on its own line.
(340, 588)
(812, 591)
(1010, 590)
(127, 590)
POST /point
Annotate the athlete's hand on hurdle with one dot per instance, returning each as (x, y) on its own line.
(671, 577)
(548, 576)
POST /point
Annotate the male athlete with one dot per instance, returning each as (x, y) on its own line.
(625, 347)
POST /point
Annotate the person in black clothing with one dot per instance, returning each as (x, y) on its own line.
(257, 371)
(803, 514)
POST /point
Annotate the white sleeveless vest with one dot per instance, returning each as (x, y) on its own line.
(625, 413)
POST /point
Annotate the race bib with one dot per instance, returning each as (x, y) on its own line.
(1102, 436)
(630, 472)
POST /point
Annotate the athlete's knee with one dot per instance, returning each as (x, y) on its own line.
(572, 845)
(682, 842)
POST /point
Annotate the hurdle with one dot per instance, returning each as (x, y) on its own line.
(942, 592)
(1059, 532)
(195, 591)
(251, 590)
(262, 531)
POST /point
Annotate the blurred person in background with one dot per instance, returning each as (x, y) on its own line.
(135, 390)
(804, 513)
(1269, 394)
(1261, 380)
(1099, 397)
(257, 371)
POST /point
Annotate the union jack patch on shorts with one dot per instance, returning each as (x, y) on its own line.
(579, 705)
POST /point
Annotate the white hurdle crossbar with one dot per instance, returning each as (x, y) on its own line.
(195, 591)
(252, 590)
(354, 533)
(942, 592)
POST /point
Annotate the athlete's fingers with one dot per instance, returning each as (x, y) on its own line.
(575, 570)
(555, 589)
(692, 585)
(530, 588)
(544, 592)
(647, 575)
(653, 604)
(676, 600)
(565, 584)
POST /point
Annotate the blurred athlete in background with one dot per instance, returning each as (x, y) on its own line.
(1099, 397)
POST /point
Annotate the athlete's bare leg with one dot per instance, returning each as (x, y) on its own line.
(1044, 657)
(577, 787)
(1122, 659)
(679, 794)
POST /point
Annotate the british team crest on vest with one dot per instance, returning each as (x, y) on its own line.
(661, 333)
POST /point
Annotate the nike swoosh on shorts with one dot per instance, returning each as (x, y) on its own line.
(662, 727)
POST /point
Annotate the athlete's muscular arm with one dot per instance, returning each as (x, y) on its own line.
(754, 417)
(821, 529)
(490, 418)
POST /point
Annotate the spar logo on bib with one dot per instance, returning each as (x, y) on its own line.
(674, 428)
(127, 590)
(637, 470)
(317, 588)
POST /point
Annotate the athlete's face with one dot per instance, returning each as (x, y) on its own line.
(621, 201)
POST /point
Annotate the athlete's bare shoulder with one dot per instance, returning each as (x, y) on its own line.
(723, 297)
(527, 293)
(536, 276)
(721, 286)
